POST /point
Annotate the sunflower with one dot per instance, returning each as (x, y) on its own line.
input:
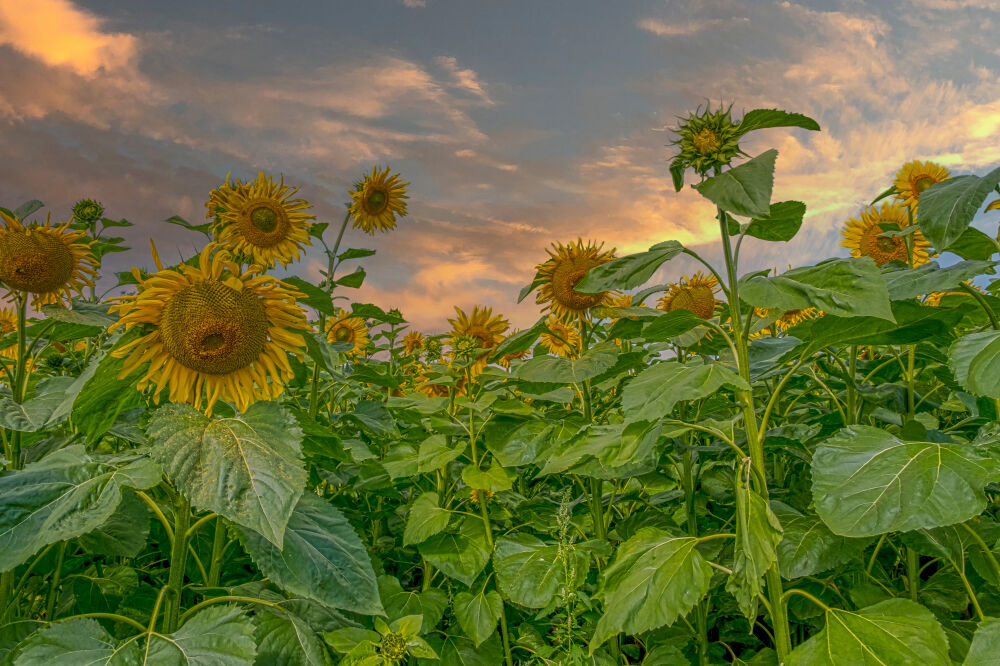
(413, 342)
(215, 331)
(566, 266)
(377, 200)
(504, 361)
(864, 236)
(993, 205)
(695, 293)
(788, 319)
(345, 327)
(260, 220)
(914, 178)
(484, 327)
(561, 339)
(45, 261)
(934, 299)
(707, 140)
(422, 385)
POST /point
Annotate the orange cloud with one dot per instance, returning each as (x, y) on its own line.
(61, 35)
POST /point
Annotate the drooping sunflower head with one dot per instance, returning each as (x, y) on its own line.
(87, 210)
(346, 328)
(707, 139)
(864, 236)
(695, 293)
(483, 327)
(377, 200)
(260, 220)
(915, 177)
(45, 261)
(566, 266)
(561, 338)
(413, 342)
(216, 333)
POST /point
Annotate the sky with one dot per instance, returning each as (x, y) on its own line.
(517, 123)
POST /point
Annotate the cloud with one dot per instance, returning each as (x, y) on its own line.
(464, 79)
(662, 28)
(59, 34)
(413, 4)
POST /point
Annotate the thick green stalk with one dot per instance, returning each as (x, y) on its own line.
(50, 606)
(778, 612)
(692, 525)
(218, 550)
(852, 388)
(913, 572)
(178, 563)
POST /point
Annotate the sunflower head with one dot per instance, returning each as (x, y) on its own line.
(561, 338)
(695, 293)
(788, 319)
(45, 261)
(483, 328)
(87, 210)
(864, 236)
(260, 220)
(216, 333)
(707, 140)
(566, 266)
(915, 177)
(434, 348)
(413, 342)
(346, 328)
(377, 200)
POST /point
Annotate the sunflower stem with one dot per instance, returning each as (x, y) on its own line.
(777, 610)
(218, 550)
(178, 562)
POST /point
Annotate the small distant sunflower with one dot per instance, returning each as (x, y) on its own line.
(561, 339)
(566, 266)
(377, 200)
(864, 236)
(347, 328)
(707, 139)
(260, 220)
(8, 325)
(45, 261)
(914, 178)
(216, 332)
(695, 293)
(486, 328)
(413, 342)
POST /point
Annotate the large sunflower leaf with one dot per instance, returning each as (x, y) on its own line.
(946, 208)
(217, 635)
(913, 323)
(285, 638)
(985, 644)
(322, 559)
(248, 468)
(530, 573)
(808, 546)
(847, 287)
(653, 393)
(975, 362)
(520, 341)
(912, 282)
(629, 271)
(973, 244)
(868, 482)
(557, 370)
(654, 579)
(893, 632)
(426, 519)
(758, 532)
(743, 190)
(780, 224)
(767, 118)
(478, 614)
(460, 555)
(74, 642)
(65, 495)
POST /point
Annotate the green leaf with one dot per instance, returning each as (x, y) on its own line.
(847, 287)
(975, 360)
(670, 325)
(946, 209)
(83, 312)
(758, 533)
(248, 468)
(354, 253)
(353, 280)
(766, 118)
(66, 494)
(928, 278)
(430, 603)
(743, 190)
(629, 271)
(520, 341)
(654, 579)
(102, 396)
(217, 635)
(530, 572)
(895, 631)
(181, 222)
(460, 555)
(315, 297)
(426, 519)
(124, 533)
(435, 452)
(809, 547)
(74, 642)
(974, 244)
(868, 482)
(102, 591)
(459, 651)
(322, 559)
(653, 392)
(48, 407)
(985, 646)
(914, 323)
(27, 208)
(536, 282)
(494, 478)
(478, 614)
(285, 638)
(780, 224)
(558, 370)
(317, 229)
(677, 174)
(612, 445)
(369, 311)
